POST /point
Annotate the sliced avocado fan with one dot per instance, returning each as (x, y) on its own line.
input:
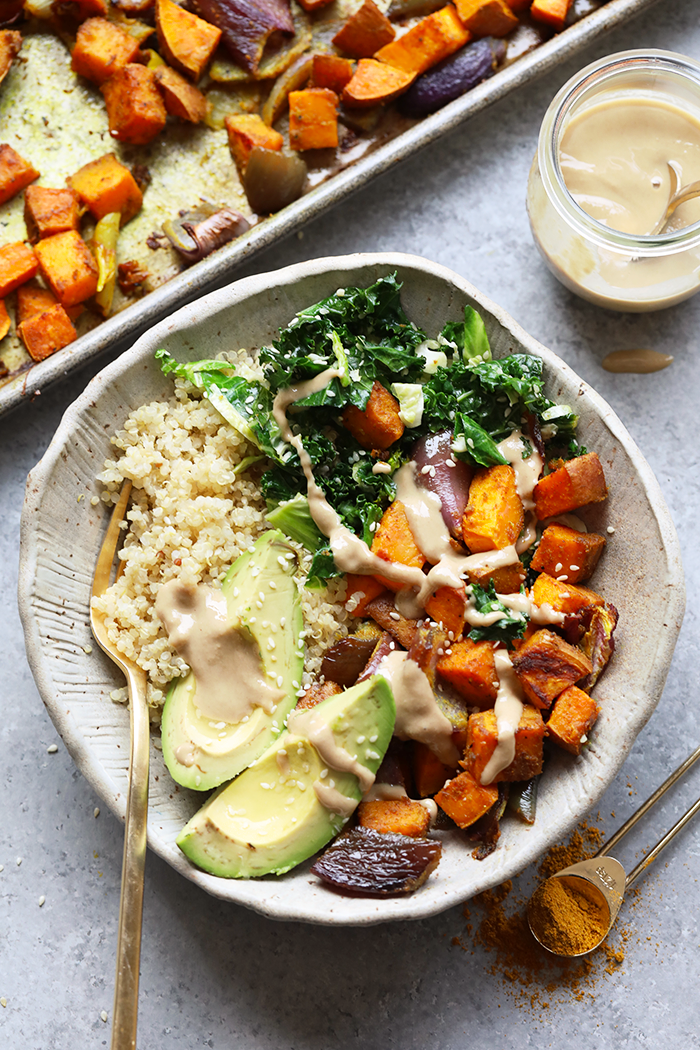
(271, 817)
(201, 753)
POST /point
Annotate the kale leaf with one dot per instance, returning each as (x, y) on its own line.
(511, 625)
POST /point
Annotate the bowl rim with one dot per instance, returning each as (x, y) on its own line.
(371, 911)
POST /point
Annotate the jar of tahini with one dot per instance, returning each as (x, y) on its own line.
(617, 141)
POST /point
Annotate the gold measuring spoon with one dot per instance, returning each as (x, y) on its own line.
(595, 888)
(677, 196)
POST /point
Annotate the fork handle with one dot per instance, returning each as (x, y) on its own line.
(126, 987)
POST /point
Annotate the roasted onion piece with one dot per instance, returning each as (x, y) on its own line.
(200, 232)
(273, 180)
(365, 863)
(450, 483)
(345, 660)
(246, 25)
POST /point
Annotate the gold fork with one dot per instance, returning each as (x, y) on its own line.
(126, 985)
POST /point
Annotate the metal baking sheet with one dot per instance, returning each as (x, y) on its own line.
(220, 267)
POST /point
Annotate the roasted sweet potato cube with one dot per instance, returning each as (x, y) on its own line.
(373, 83)
(471, 669)
(432, 39)
(563, 597)
(18, 264)
(465, 800)
(364, 32)
(573, 715)
(331, 71)
(393, 541)
(494, 515)
(246, 132)
(482, 739)
(102, 48)
(10, 45)
(15, 173)
(5, 321)
(186, 41)
(313, 119)
(576, 483)
(447, 607)
(551, 12)
(105, 185)
(361, 590)
(429, 773)
(68, 267)
(48, 211)
(181, 98)
(135, 107)
(32, 299)
(567, 555)
(384, 613)
(45, 333)
(486, 17)
(507, 579)
(317, 693)
(546, 665)
(400, 816)
(378, 425)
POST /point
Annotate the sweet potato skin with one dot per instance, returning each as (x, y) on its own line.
(181, 98)
(400, 816)
(494, 515)
(16, 173)
(45, 333)
(573, 485)
(464, 799)
(10, 46)
(427, 43)
(5, 321)
(546, 665)
(567, 555)
(101, 49)
(105, 185)
(374, 83)
(572, 718)
(482, 738)
(393, 541)
(68, 267)
(364, 32)
(246, 132)
(378, 425)
(18, 264)
(313, 119)
(48, 211)
(135, 107)
(471, 669)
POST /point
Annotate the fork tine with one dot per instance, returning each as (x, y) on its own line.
(103, 569)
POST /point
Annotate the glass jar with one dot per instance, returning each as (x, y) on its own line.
(621, 271)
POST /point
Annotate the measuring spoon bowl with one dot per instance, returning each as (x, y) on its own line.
(599, 882)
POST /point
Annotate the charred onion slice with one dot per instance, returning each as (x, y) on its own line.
(365, 863)
(345, 660)
(198, 233)
(450, 483)
(246, 25)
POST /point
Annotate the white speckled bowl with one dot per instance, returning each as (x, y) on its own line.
(640, 573)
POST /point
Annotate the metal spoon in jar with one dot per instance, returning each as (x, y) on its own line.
(596, 887)
(677, 196)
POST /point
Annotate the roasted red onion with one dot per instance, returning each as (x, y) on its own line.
(433, 456)
(198, 233)
(453, 77)
(366, 863)
(246, 25)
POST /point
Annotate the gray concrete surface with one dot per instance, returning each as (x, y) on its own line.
(220, 977)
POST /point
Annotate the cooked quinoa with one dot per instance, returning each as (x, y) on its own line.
(193, 511)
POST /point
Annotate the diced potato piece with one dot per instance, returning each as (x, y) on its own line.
(331, 71)
(573, 715)
(313, 119)
(427, 43)
(578, 482)
(181, 98)
(364, 32)
(135, 107)
(384, 613)
(45, 333)
(374, 83)
(68, 267)
(317, 693)
(465, 800)
(446, 607)
(378, 425)
(552, 12)
(105, 185)
(400, 816)
(32, 300)
(102, 48)
(10, 45)
(482, 738)
(486, 17)
(563, 597)
(5, 321)
(471, 670)
(393, 541)
(546, 665)
(15, 173)
(429, 773)
(507, 579)
(18, 264)
(567, 555)
(246, 131)
(48, 211)
(494, 515)
(361, 590)
(186, 41)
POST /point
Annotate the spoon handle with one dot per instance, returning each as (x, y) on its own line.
(662, 843)
(646, 806)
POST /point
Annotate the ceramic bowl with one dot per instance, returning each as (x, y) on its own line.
(640, 574)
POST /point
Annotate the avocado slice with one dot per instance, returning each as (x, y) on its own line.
(201, 753)
(270, 818)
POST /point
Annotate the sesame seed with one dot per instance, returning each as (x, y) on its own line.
(394, 616)
(574, 568)
(610, 530)
(373, 739)
(42, 901)
(198, 780)
(425, 469)
(96, 812)
(562, 578)
(261, 596)
(103, 1016)
(280, 681)
(3, 1002)
(19, 861)
(273, 585)
(253, 619)
(361, 739)
(558, 567)
(52, 749)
